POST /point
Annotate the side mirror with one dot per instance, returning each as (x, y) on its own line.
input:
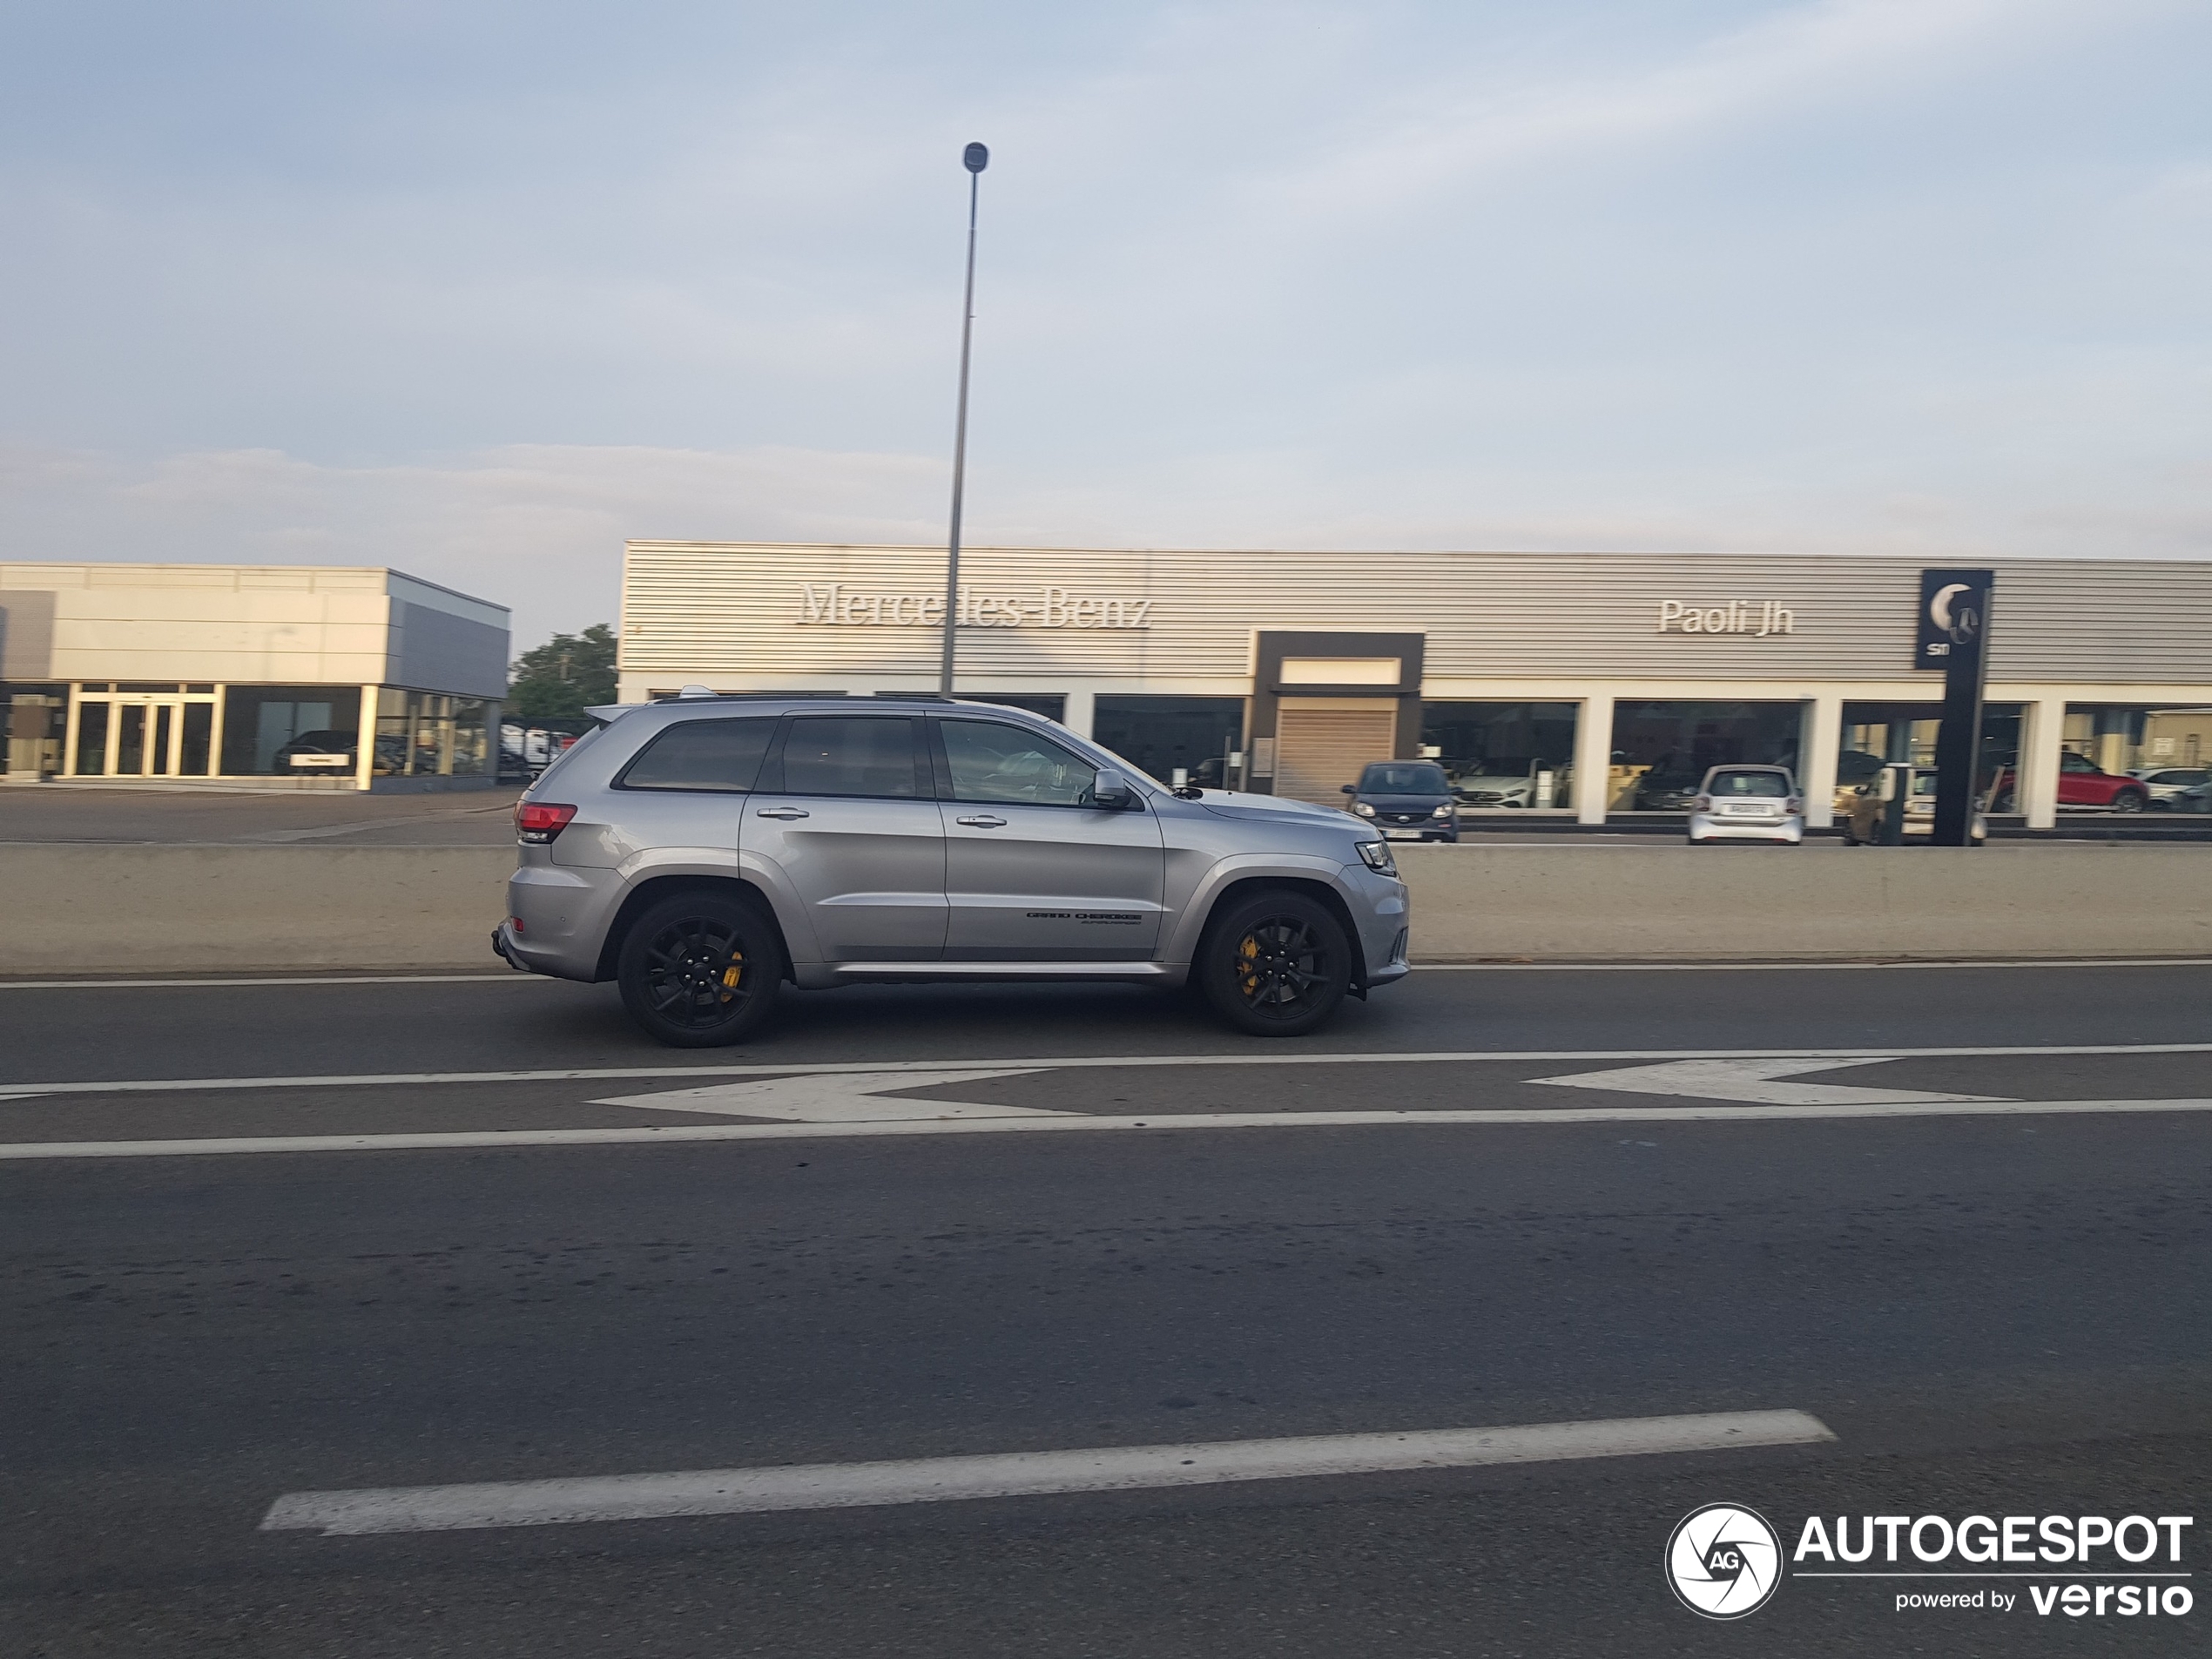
(1348, 789)
(1110, 789)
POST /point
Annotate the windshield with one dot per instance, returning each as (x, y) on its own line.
(1403, 778)
(1771, 784)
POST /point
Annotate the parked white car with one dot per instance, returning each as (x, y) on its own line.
(1748, 803)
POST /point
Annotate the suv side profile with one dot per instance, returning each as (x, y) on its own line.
(707, 851)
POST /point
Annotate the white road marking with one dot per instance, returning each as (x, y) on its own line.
(1056, 1063)
(1752, 1080)
(834, 1099)
(509, 977)
(1799, 967)
(1109, 1468)
(479, 1140)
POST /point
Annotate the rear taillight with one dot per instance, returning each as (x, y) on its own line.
(1703, 804)
(538, 822)
(1793, 804)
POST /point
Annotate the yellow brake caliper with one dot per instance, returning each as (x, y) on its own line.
(1247, 974)
(731, 976)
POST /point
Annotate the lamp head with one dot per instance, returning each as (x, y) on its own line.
(975, 158)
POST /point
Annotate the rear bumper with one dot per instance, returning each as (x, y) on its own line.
(1705, 827)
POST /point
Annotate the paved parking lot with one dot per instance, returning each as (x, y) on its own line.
(54, 811)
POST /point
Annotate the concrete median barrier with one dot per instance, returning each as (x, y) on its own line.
(97, 909)
(1600, 902)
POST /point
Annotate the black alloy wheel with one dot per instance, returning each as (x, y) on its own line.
(1276, 964)
(697, 970)
(2128, 800)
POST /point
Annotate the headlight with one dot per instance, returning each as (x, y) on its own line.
(1441, 812)
(1363, 809)
(1376, 855)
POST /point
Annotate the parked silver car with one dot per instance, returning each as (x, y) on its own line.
(2166, 783)
(1748, 803)
(705, 851)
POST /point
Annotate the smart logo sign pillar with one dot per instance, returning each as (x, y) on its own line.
(1954, 637)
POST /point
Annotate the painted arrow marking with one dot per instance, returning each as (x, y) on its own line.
(848, 1098)
(1753, 1080)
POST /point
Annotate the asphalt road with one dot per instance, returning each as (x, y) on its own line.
(1962, 1217)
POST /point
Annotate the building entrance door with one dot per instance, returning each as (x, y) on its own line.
(1322, 743)
(144, 734)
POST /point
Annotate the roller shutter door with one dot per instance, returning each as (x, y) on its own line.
(1318, 751)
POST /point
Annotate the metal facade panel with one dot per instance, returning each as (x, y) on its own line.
(738, 613)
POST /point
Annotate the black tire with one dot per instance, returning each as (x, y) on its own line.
(1274, 965)
(699, 970)
(2129, 800)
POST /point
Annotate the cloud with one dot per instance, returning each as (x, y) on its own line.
(1447, 131)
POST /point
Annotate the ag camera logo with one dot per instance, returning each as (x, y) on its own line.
(1723, 1560)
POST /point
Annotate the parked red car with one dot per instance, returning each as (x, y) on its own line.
(2081, 783)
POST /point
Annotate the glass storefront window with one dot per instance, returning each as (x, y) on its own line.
(2118, 738)
(1876, 734)
(429, 734)
(1164, 735)
(1503, 756)
(92, 740)
(1662, 751)
(290, 731)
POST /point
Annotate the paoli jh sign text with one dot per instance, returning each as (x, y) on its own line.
(1734, 617)
(834, 602)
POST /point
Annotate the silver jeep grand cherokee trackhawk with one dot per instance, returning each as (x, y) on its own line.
(703, 850)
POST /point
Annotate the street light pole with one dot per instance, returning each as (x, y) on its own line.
(975, 158)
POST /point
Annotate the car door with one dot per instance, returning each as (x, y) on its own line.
(1034, 871)
(2078, 781)
(845, 815)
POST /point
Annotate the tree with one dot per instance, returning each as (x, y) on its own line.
(565, 676)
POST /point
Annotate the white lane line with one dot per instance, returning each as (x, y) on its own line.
(836, 1099)
(510, 975)
(1799, 967)
(1108, 1469)
(479, 1140)
(1752, 1080)
(1061, 1062)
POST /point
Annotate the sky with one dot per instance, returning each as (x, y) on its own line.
(481, 290)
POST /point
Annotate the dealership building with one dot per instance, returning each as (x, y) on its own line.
(1573, 683)
(276, 676)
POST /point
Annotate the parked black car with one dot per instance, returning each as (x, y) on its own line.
(1407, 801)
(330, 751)
(1667, 789)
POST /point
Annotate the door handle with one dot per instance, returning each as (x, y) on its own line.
(982, 820)
(781, 812)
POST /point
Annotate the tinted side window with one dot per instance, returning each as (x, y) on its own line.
(702, 754)
(863, 755)
(1006, 764)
